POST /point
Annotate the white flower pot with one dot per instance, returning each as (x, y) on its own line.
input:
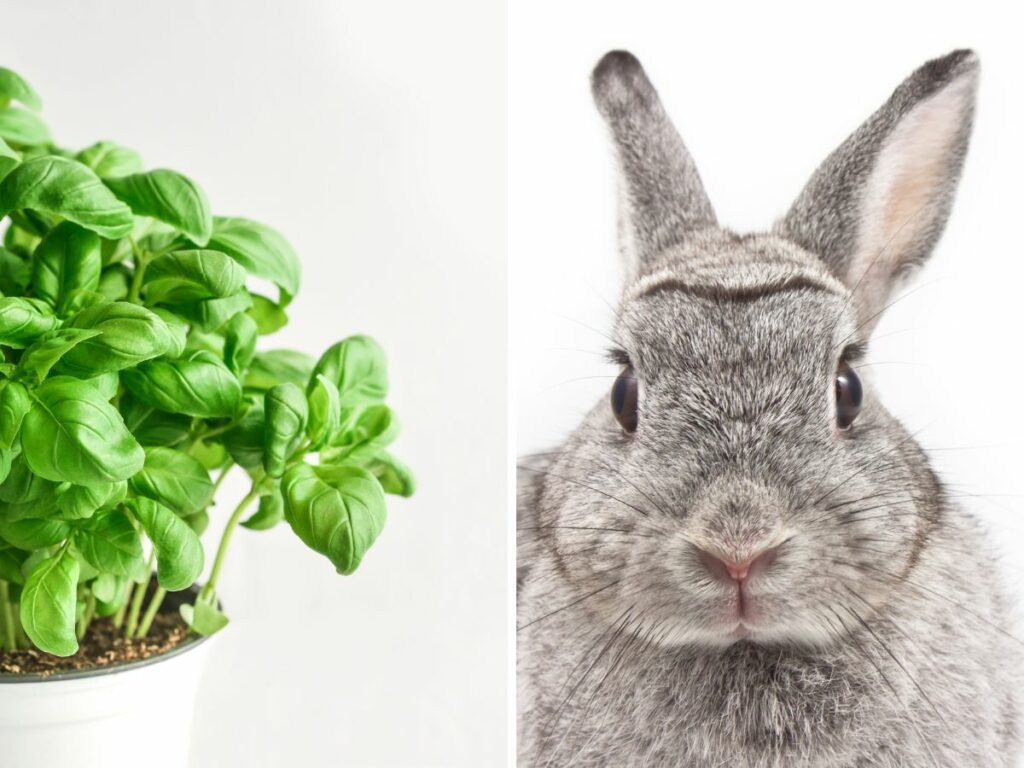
(135, 714)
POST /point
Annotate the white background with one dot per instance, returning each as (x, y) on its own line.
(761, 94)
(373, 136)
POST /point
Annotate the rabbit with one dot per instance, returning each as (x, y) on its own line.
(741, 558)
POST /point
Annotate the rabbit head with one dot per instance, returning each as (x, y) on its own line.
(742, 479)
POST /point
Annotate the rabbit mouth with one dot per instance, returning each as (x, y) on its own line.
(744, 615)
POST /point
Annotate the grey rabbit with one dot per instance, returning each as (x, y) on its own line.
(743, 559)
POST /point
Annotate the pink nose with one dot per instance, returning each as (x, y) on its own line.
(740, 572)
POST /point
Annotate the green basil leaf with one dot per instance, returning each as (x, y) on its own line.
(393, 475)
(62, 187)
(38, 359)
(108, 542)
(108, 159)
(189, 276)
(20, 241)
(10, 567)
(86, 573)
(175, 479)
(35, 533)
(80, 299)
(22, 321)
(277, 366)
(14, 88)
(115, 282)
(129, 335)
(169, 197)
(105, 609)
(179, 331)
(212, 455)
(239, 343)
(71, 433)
(26, 510)
(179, 555)
(25, 495)
(14, 404)
(23, 128)
(203, 618)
(48, 605)
(245, 440)
(358, 367)
(198, 385)
(198, 339)
(68, 257)
(363, 433)
(160, 238)
(6, 460)
(23, 486)
(106, 587)
(78, 502)
(8, 160)
(152, 427)
(33, 559)
(14, 273)
(34, 222)
(324, 411)
(269, 317)
(212, 314)
(285, 413)
(261, 250)
(269, 513)
(336, 511)
(198, 522)
(105, 384)
(9, 154)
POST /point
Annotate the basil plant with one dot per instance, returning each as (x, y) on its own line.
(130, 385)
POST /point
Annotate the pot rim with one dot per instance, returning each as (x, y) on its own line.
(191, 641)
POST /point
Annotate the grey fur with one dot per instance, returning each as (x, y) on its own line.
(662, 199)
(882, 637)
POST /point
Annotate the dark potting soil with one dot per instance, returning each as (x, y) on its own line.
(103, 645)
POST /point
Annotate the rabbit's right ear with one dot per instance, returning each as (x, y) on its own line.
(878, 204)
(662, 199)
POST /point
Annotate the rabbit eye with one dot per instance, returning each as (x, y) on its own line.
(624, 400)
(849, 395)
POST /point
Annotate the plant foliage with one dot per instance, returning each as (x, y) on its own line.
(131, 384)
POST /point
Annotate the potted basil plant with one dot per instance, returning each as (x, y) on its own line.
(130, 387)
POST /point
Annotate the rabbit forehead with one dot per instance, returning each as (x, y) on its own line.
(720, 264)
(779, 326)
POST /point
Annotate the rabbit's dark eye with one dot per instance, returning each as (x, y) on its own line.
(849, 395)
(624, 400)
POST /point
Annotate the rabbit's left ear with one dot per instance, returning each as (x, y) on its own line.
(878, 204)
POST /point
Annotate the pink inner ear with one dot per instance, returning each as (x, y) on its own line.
(909, 180)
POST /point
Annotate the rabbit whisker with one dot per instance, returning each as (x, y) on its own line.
(573, 528)
(570, 605)
(901, 579)
(616, 631)
(584, 485)
(896, 659)
(888, 684)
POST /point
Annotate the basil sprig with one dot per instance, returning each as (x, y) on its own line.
(131, 384)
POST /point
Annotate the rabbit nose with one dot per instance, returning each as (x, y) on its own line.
(738, 571)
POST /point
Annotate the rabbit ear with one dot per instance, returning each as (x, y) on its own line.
(662, 199)
(878, 204)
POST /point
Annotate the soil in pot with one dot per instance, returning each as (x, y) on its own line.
(104, 645)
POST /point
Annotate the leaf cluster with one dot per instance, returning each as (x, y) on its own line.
(131, 383)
